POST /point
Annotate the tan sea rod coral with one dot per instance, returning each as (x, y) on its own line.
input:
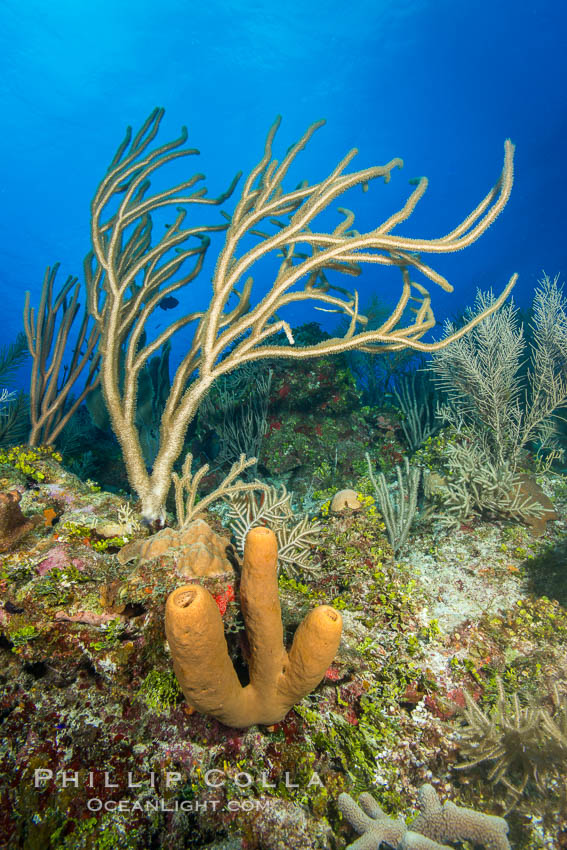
(134, 266)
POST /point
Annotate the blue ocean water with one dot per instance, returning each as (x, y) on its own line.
(438, 83)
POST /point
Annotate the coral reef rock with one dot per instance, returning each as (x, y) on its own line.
(345, 499)
(196, 549)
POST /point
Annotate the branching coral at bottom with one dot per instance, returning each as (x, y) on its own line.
(278, 680)
(436, 822)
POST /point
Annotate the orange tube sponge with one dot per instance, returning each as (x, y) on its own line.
(278, 680)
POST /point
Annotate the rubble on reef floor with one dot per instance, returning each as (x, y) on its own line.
(99, 749)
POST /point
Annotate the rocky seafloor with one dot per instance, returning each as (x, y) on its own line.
(99, 749)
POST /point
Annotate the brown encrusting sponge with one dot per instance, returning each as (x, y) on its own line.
(278, 679)
(13, 523)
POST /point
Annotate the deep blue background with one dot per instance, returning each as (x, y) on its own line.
(439, 83)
